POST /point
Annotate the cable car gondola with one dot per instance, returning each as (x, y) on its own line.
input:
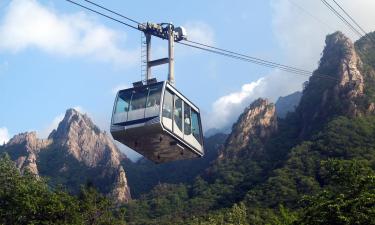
(157, 121)
(154, 118)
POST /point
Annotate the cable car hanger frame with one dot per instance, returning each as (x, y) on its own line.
(163, 31)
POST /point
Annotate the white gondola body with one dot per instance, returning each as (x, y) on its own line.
(158, 122)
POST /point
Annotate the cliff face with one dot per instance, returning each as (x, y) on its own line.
(254, 126)
(343, 94)
(121, 190)
(75, 153)
(26, 147)
(85, 142)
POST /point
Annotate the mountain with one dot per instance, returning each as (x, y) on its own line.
(259, 121)
(346, 93)
(315, 166)
(287, 104)
(76, 153)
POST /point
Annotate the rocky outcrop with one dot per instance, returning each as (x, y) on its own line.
(258, 121)
(340, 54)
(83, 140)
(30, 141)
(337, 87)
(27, 146)
(76, 152)
(121, 190)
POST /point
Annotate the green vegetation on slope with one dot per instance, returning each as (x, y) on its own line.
(25, 199)
(267, 192)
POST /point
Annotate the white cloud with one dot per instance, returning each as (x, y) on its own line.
(4, 135)
(226, 109)
(28, 24)
(200, 32)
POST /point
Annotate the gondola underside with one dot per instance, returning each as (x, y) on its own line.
(155, 143)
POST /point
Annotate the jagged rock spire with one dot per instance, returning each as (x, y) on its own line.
(344, 94)
(258, 120)
(85, 141)
(121, 191)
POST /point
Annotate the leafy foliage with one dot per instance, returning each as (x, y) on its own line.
(25, 199)
(269, 186)
(349, 198)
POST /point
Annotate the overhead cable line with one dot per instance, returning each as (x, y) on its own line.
(348, 24)
(209, 48)
(354, 21)
(111, 11)
(310, 14)
(102, 14)
(307, 73)
(276, 65)
(351, 18)
(283, 67)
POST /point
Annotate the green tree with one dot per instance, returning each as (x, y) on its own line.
(97, 209)
(25, 199)
(348, 199)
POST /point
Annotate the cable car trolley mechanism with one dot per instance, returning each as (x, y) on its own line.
(154, 118)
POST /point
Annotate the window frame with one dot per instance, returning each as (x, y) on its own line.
(200, 140)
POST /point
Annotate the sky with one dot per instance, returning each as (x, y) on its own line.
(55, 56)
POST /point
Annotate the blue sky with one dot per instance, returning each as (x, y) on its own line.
(54, 55)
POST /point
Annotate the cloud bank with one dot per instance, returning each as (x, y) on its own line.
(29, 24)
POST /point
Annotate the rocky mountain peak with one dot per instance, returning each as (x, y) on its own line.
(258, 120)
(344, 94)
(73, 120)
(85, 141)
(77, 150)
(340, 58)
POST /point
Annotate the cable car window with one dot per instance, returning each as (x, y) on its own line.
(167, 104)
(138, 99)
(195, 126)
(178, 112)
(187, 120)
(123, 101)
(153, 99)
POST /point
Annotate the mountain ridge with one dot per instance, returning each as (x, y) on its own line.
(77, 148)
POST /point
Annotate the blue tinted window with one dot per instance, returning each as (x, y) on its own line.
(139, 99)
(187, 120)
(123, 100)
(195, 124)
(154, 96)
(167, 104)
(178, 112)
